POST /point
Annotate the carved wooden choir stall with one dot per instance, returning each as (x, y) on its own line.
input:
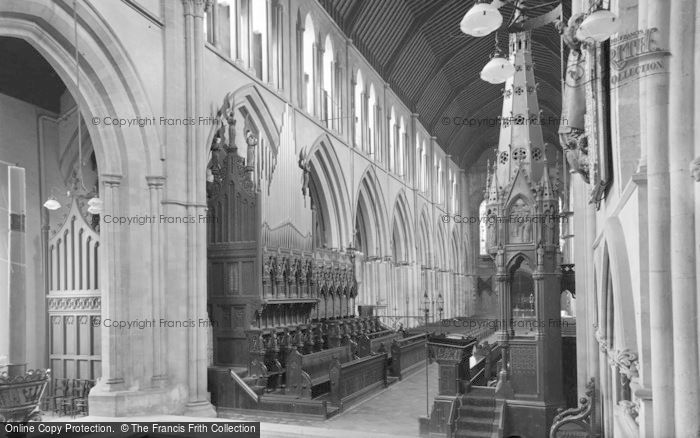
(285, 334)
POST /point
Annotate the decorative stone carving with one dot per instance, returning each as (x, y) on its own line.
(491, 230)
(695, 169)
(540, 256)
(252, 142)
(626, 361)
(305, 166)
(630, 408)
(231, 140)
(520, 226)
(74, 303)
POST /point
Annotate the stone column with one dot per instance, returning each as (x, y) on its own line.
(661, 325)
(198, 398)
(686, 373)
(113, 345)
(695, 168)
(642, 24)
(159, 372)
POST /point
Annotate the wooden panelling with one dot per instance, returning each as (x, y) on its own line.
(74, 299)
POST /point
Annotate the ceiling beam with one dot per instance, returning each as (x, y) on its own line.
(353, 16)
(413, 31)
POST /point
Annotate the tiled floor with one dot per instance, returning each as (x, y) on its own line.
(390, 413)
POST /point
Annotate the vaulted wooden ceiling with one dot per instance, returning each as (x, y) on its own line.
(417, 47)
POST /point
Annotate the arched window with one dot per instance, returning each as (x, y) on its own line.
(423, 169)
(401, 154)
(453, 194)
(327, 113)
(416, 163)
(371, 116)
(439, 190)
(392, 140)
(259, 37)
(358, 109)
(309, 78)
(482, 228)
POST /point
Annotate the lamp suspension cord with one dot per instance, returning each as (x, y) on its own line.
(77, 85)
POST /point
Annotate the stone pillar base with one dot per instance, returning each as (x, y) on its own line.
(200, 409)
(133, 403)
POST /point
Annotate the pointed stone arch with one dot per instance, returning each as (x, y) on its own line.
(130, 163)
(328, 183)
(109, 83)
(371, 215)
(249, 96)
(441, 246)
(456, 264)
(617, 290)
(402, 225)
(516, 260)
(424, 238)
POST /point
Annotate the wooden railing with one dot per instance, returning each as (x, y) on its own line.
(407, 354)
(575, 421)
(244, 386)
(352, 379)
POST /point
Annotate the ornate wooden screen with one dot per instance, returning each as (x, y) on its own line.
(233, 247)
(74, 299)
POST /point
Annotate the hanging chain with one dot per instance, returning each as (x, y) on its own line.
(77, 84)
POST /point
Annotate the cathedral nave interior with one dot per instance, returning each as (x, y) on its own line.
(394, 218)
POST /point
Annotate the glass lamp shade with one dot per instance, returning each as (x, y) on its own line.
(497, 70)
(426, 302)
(598, 26)
(52, 203)
(95, 205)
(440, 301)
(481, 19)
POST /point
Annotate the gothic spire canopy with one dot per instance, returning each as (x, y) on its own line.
(520, 143)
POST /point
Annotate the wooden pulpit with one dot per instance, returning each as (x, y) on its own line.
(452, 354)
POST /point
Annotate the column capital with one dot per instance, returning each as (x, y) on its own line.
(155, 181)
(111, 180)
(196, 8)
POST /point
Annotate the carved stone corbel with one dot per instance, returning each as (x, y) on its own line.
(630, 408)
(695, 169)
(626, 361)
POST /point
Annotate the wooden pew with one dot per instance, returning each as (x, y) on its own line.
(378, 342)
(307, 372)
(353, 379)
(407, 354)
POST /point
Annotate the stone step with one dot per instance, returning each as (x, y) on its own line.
(482, 391)
(475, 424)
(473, 434)
(478, 401)
(477, 411)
